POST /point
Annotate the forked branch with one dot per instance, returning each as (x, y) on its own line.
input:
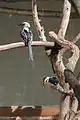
(58, 64)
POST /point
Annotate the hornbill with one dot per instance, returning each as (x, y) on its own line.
(27, 36)
(50, 80)
(69, 78)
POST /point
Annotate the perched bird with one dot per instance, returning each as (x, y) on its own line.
(69, 78)
(27, 36)
(50, 80)
(73, 82)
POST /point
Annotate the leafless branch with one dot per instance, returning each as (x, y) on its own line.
(65, 19)
(22, 44)
(74, 58)
(59, 66)
(39, 28)
(62, 90)
(59, 63)
(64, 110)
(61, 41)
(74, 108)
(67, 45)
(76, 38)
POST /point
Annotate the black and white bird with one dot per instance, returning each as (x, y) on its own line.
(69, 78)
(27, 36)
(50, 80)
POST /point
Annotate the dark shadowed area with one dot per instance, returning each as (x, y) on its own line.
(20, 84)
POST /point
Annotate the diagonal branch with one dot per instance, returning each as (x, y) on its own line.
(76, 38)
(39, 28)
(65, 19)
(62, 90)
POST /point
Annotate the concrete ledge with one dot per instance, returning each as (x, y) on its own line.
(28, 118)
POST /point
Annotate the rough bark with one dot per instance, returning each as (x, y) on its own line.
(68, 106)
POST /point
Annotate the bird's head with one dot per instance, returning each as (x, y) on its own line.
(25, 24)
(45, 81)
(53, 80)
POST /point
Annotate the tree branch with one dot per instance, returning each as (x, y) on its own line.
(57, 60)
(67, 45)
(65, 19)
(22, 44)
(76, 38)
(65, 105)
(39, 28)
(62, 90)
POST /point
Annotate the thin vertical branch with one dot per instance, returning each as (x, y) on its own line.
(76, 38)
(39, 28)
(65, 19)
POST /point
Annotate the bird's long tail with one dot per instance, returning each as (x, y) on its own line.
(31, 54)
(30, 51)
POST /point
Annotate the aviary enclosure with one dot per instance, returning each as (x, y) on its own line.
(68, 84)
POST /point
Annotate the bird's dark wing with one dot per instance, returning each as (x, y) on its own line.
(53, 80)
(77, 93)
(28, 34)
(73, 82)
(23, 35)
(70, 78)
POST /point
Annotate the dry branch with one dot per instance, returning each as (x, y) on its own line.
(39, 28)
(76, 38)
(66, 106)
(22, 44)
(65, 19)
(62, 90)
(59, 65)
(67, 45)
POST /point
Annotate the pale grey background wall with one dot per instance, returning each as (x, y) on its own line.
(19, 83)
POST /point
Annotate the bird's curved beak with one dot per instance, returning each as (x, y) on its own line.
(43, 84)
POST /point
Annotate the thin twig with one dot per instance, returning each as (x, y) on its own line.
(76, 38)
